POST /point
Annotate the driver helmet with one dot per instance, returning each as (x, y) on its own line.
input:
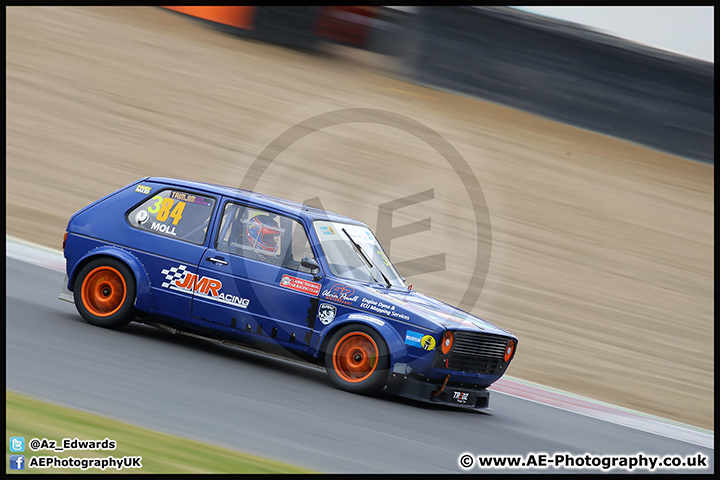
(263, 234)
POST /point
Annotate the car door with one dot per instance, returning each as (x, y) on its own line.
(251, 278)
(168, 234)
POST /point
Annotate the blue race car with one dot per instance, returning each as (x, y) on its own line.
(252, 269)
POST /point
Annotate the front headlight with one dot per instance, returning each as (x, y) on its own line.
(446, 342)
(509, 350)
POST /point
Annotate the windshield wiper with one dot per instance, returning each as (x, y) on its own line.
(370, 265)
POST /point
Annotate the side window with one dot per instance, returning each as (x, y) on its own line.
(264, 236)
(176, 214)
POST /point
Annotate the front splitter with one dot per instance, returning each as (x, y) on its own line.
(435, 392)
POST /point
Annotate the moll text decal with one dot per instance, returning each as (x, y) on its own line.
(162, 228)
(180, 280)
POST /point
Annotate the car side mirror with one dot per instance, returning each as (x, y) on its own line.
(310, 263)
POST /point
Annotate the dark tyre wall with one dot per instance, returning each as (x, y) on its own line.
(568, 73)
(294, 26)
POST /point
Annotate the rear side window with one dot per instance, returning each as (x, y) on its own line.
(174, 213)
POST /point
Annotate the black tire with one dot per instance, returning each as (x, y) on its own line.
(104, 293)
(357, 359)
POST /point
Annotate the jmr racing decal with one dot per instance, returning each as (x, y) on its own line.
(180, 280)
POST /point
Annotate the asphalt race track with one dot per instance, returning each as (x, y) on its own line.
(272, 407)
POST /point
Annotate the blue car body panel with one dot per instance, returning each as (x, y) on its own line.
(200, 287)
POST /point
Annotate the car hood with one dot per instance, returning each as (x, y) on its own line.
(444, 314)
(413, 307)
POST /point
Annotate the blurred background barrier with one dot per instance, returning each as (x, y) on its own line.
(557, 69)
(299, 27)
(568, 73)
(295, 26)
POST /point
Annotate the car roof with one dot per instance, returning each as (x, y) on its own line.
(259, 199)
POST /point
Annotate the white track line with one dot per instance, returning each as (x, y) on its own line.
(29, 252)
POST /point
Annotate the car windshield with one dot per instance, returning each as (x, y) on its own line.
(353, 252)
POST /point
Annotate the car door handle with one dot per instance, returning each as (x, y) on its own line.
(217, 260)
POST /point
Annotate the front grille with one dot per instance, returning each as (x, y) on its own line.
(475, 352)
(479, 345)
(468, 363)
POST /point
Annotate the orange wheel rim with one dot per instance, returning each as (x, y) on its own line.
(355, 357)
(103, 291)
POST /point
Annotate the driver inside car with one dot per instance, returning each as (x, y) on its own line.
(262, 234)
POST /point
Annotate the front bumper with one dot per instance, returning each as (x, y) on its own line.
(434, 392)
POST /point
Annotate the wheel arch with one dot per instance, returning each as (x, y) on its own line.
(142, 282)
(393, 340)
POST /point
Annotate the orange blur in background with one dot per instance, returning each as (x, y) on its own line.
(241, 17)
(345, 25)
